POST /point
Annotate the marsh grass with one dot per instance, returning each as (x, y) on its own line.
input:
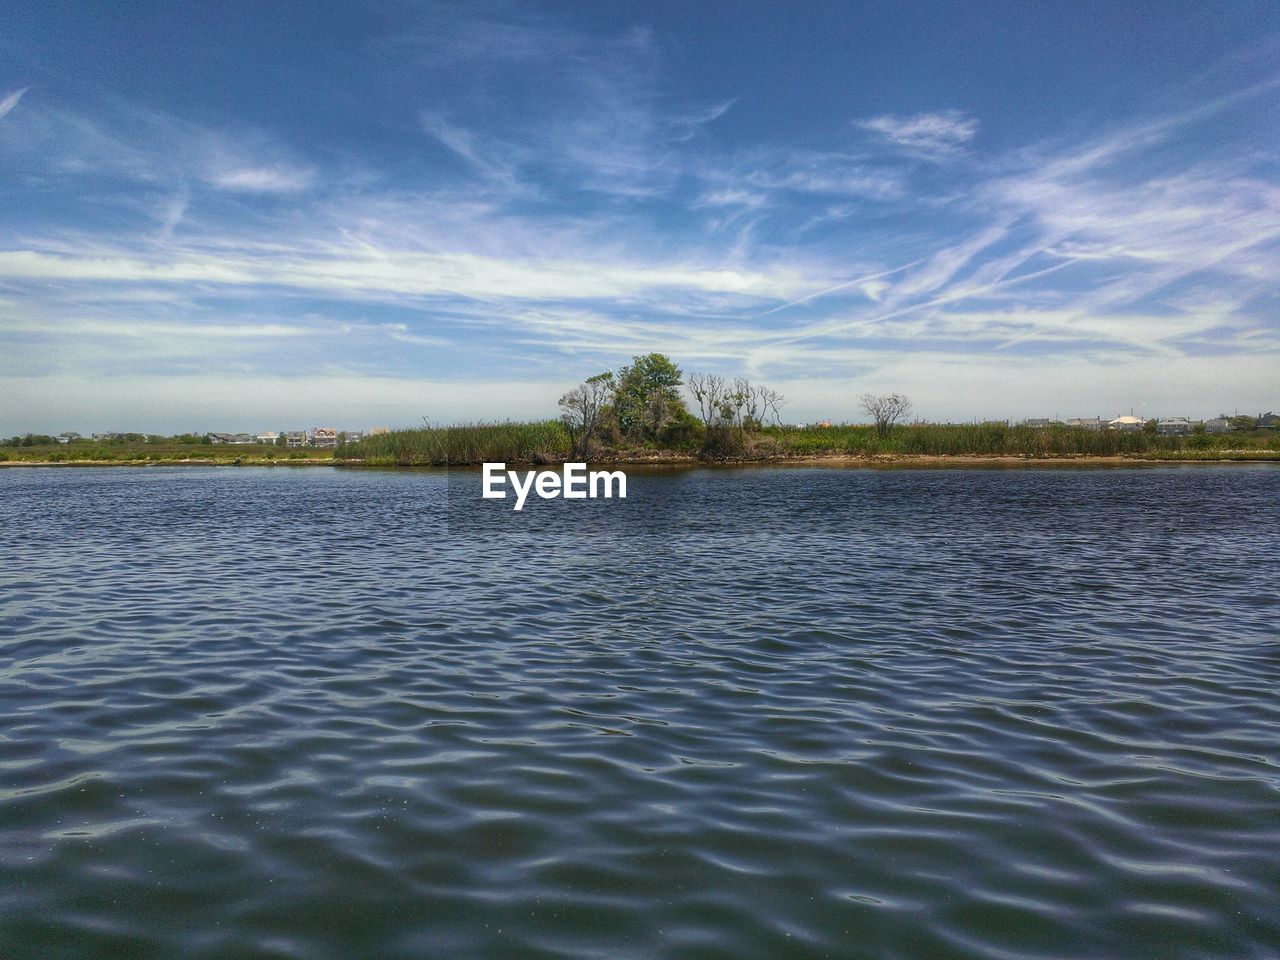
(138, 452)
(972, 440)
(547, 441)
(511, 442)
(1018, 441)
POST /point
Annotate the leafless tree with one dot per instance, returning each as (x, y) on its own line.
(885, 410)
(768, 403)
(581, 409)
(708, 390)
(740, 403)
(731, 410)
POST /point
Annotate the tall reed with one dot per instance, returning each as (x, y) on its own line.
(468, 444)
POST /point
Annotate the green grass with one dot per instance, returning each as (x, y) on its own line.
(1000, 440)
(137, 452)
(469, 444)
(1192, 455)
(546, 440)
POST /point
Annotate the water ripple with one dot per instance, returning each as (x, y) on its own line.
(758, 713)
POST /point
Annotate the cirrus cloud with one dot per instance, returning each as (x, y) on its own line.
(11, 101)
(936, 135)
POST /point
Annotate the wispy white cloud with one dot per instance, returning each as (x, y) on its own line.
(938, 134)
(274, 178)
(11, 100)
(174, 209)
(146, 147)
(488, 160)
(394, 273)
(149, 330)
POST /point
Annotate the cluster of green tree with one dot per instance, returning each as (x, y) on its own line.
(115, 439)
(29, 440)
(641, 405)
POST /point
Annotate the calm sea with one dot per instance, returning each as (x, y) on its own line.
(767, 713)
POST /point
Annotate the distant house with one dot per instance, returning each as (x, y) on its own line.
(1039, 423)
(221, 437)
(267, 436)
(1087, 423)
(376, 431)
(351, 436)
(107, 436)
(295, 438)
(68, 436)
(1268, 421)
(242, 438)
(1127, 423)
(1217, 425)
(1174, 427)
(324, 437)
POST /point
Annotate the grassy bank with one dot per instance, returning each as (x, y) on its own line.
(533, 442)
(998, 440)
(547, 442)
(87, 451)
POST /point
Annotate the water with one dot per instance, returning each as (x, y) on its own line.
(751, 713)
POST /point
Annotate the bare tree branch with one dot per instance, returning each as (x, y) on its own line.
(581, 408)
(708, 390)
(886, 410)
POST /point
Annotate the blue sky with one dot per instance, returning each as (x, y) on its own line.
(224, 216)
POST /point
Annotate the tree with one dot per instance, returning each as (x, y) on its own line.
(885, 410)
(581, 409)
(767, 403)
(731, 410)
(740, 403)
(708, 391)
(646, 398)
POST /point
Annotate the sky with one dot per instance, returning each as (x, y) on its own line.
(243, 216)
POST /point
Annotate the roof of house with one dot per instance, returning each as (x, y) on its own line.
(1127, 418)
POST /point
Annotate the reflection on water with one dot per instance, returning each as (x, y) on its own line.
(766, 713)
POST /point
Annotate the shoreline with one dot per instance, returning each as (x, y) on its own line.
(673, 459)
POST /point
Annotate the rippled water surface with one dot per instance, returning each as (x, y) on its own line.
(744, 713)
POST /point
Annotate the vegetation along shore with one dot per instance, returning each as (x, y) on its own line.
(640, 415)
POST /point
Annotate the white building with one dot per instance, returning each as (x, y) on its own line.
(1174, 427)
(1127, 423)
